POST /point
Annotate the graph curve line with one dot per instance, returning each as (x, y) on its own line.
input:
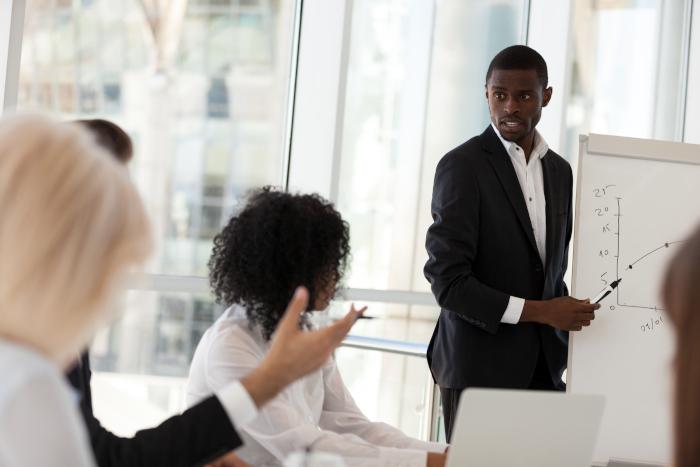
(665, 245)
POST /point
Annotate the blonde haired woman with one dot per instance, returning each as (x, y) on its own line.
(71, 226)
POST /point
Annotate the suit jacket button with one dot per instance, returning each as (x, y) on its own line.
(538, 268)
(476, 321)
(471, 320)
(483, 325)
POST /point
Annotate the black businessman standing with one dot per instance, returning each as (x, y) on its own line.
(498, 246)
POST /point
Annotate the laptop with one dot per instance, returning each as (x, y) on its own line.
(510, 428)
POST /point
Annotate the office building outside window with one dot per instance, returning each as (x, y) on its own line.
(201, 87)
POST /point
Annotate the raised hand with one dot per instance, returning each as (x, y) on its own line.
(295, 353)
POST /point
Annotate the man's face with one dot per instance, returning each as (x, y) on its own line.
(515, 100)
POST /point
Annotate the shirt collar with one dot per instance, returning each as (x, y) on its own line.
(540, 149)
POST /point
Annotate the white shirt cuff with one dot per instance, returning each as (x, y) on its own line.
(392, 457)
(513, 311)
(238, 404)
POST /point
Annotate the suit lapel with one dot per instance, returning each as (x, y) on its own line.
(549, 173)
(501, 163)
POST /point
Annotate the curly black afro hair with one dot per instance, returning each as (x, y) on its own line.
(276, 243)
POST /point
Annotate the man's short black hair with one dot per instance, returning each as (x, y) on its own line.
(519, 57)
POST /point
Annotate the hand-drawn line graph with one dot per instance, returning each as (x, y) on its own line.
(631, 265)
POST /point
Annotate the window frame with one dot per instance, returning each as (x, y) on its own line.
(11, 33)
(690, 117)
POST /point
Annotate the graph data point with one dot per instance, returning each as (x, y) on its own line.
(630, 267)
(667, 245)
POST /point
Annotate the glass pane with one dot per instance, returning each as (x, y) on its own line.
(622, 90)
(140, 363)
(200, 89)
(415, 90)
(387, 387)
(220, 33)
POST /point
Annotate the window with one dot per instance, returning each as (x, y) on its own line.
(415, 90)
(204, 100)
(202, 92)
(622, 90)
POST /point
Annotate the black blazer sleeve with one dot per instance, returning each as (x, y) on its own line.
(452, 243)
(201, 434)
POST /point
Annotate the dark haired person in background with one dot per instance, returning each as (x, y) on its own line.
(498, 246)
(276, 241)
(681, 294)
(111, 137)
(206, 431)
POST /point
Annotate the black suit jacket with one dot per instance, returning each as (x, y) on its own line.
(482, 250)
(201, 434)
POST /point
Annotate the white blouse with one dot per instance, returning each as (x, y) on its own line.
(40, 424)
(316, 412)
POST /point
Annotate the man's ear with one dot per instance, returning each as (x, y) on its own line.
(547, 96)
(487, 91)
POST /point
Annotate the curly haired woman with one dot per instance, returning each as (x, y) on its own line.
(276, 242)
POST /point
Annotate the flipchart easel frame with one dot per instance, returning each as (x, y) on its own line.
(631, 148)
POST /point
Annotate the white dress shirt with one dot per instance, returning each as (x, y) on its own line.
(316, 411)
(532, 184)
(40, 424)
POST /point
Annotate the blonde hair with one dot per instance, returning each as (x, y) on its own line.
(71, 225)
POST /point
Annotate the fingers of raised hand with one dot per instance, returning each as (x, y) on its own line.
(358, 312)
(334, 334)
(340, 329)
(349, 320)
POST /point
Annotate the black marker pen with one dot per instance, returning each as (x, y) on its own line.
(606, 291)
